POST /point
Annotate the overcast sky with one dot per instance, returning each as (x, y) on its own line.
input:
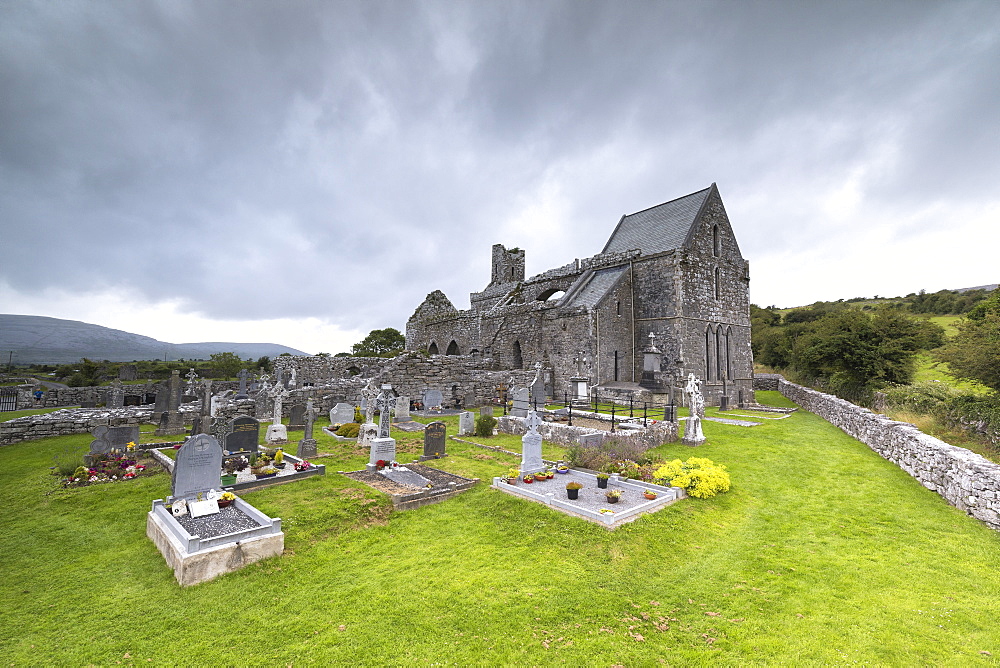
(304, 172)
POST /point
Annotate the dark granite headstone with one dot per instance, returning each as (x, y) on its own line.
(107, 439)
(297, 417)
(132, 400)
(434, 435)
(244, 434)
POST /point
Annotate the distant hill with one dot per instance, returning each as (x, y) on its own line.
(42, 340)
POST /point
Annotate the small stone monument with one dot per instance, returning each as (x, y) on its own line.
(466, 423)
(242, 392)
(693, 435)
(341, 414)
(486, 411)
(521, 403)
(368, 395)
(434, 436)
(385, 403)
(531, 446)
(277, 433)
(307, 446)
(537, 387)
(402, 411)
(367, 433)
(171, 421)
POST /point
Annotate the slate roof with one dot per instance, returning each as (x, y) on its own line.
(596, 286)
(660, 228)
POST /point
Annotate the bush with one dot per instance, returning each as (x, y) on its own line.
(930, 398)
(699, 477)
(349, 430)
(359, 417)
(609, 456)
(485, 425)
(979, 415)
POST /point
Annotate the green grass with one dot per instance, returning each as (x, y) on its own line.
(822, 553)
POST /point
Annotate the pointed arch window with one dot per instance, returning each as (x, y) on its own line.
(452, 348)
(432, 349)
(518, 361)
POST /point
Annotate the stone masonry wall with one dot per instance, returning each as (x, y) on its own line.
(69, 421)
(964, 479)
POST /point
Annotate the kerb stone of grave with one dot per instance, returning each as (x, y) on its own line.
(466, 423)
(244, 434)
(342, 414)
(531, 446)
(434, 441)
(198, 467)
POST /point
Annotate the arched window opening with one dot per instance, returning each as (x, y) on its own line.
(452, 348)
(551, 295)
(718, 281)
(353, 370)
(518, 362)
(618, 307)
(715, 240)
(616, 366)
(718, 354)
(432, 349)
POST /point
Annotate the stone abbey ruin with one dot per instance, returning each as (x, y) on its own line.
(667, 296)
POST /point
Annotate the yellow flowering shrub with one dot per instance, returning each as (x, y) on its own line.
(699, 477)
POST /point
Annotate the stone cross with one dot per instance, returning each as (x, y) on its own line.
(278, 394)
(310, 417)
(385, 402)
(279, 377)
(291, 380)
(532, 422)
(370, 392)
(191, 376)
(242, 375)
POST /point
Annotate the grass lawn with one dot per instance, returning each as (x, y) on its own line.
(822, 553)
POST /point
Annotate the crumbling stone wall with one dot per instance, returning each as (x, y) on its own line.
(964, 479)
(69, 421)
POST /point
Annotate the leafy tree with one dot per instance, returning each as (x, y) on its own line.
(974, 353)
(226, 364)
(265, 364)
(386, 342)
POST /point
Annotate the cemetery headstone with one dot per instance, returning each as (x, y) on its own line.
(243, 436)
(521, 402)
(242, 392)
(385, 403)
(434, 435)
(531, 446)
(132, 400)
(693, 434)
(470, 400)
(107, 439)
(381, 448)
(466, 423)
(297, 416)
(263, 406)
(367, 433)
(307, 446)
(116, 395)
(402, 410)
(590, 440)
(198, 467)
(342, 414)
(368, 395)
(486, 411)
(171, 421)
(433, 400)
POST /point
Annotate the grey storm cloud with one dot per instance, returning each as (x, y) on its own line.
(343, 159)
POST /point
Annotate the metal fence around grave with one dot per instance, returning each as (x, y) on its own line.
(614, 406)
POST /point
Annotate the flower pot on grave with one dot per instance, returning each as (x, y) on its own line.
(602, 483)
(528, 480)
(228, 480)
(612, 499)
(573, 494)
(224, 502)
(649, 495)
(278, 466)
(261, 476)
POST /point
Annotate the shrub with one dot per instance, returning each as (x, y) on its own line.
(699, 477)
(349, 430)
(359, 417)
(608, 456)
(485, 425)
(928, 397)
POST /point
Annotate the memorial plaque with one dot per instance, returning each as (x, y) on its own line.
(434, 435)
(198, 467)
(244, 434)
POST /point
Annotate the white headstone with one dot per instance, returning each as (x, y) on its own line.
(402, 412)
(367, 433)
(276, 433)
(342, 414)
(466, 423)
(521, 405)
(382, 448)
(531, 446)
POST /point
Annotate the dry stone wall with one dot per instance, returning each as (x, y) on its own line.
(69, 421)
(966, 480)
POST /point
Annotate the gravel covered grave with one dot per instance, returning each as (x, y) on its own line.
(438, 479)
(228, 520)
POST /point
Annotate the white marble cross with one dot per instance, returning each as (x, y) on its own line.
(532, 422)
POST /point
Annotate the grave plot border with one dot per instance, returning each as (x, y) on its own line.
(251, 485)
(555, 497)
(422, 497)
